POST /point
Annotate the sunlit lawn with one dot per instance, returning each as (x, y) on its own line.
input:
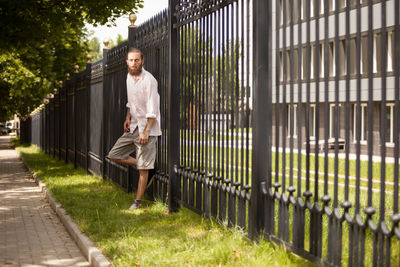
(150, 236)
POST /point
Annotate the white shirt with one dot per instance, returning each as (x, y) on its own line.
(143, 102)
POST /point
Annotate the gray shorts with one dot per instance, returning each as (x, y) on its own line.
(129, 142)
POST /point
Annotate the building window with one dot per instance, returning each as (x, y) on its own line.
(280, 67)
(321, 6)
(364, 123)
(390, 52)
(389, 123)
(322, 60)
(374, 56)
(312, 62)
(311, 8)
(332, 62)
(332, 120)
(311, 123)
(292, 131)
(364, 55)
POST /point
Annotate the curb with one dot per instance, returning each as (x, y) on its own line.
(89, 250)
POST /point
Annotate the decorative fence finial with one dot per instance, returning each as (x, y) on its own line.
(132, 18)
(76, 68)
(67, 76)
(89, 58)
(106, 42)
(60, 83)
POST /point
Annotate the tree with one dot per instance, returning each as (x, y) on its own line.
(94, 49)
(25, 21)
(120, 39)
(46, 39)
(20, 88)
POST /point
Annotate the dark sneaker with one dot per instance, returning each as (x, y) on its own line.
(136, 205)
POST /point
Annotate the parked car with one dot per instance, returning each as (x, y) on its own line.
(3, 130)
(10, 125)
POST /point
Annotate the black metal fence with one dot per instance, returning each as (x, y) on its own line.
(279, 117)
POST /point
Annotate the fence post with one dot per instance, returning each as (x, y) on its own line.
(105, 108)
(173, 110)
(67, 83)
(54, 123)
(131, 30)
(88, 78)
(46, 127)
(74, 112)
(131, 40)
(261, 152)
(59, 119)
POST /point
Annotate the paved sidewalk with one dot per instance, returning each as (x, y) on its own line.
(31, 234)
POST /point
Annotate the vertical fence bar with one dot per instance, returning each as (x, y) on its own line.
(207, 171)
(231, 106)
(384, 240)
(214, 190)
(270, 224)
(74, 115)
(104, 125)
(59, 119)
(397, 113)
(191, 109)
(298, 213)
(131, 40)
(173, 115)
(65, 120)
(355, 232)
(197, 126)
(261, 157)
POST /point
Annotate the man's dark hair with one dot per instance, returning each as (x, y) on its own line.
(134, 50)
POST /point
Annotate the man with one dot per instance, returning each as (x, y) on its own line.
(142, 124)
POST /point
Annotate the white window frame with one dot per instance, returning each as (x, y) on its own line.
(363, 139)
(391, 141)
(294, 121)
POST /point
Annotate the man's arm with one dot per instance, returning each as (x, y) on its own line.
(144, 137)
(127, 122)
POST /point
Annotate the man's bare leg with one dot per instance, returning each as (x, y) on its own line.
(144, 175)
(130, 161)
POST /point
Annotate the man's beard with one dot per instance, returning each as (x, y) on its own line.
(135, 71)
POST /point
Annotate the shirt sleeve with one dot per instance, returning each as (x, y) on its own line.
(153, 100)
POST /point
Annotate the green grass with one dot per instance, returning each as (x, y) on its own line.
(150, 236)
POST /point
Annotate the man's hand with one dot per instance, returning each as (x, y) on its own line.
(143, 138)
(127, 125)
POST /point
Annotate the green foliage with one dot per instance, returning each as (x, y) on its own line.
(120, 39)
(47, 39)
(20, 88)
(94, 49)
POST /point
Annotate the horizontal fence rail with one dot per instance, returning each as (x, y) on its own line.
(278, 117)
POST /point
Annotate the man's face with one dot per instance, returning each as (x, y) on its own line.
(135, 63)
